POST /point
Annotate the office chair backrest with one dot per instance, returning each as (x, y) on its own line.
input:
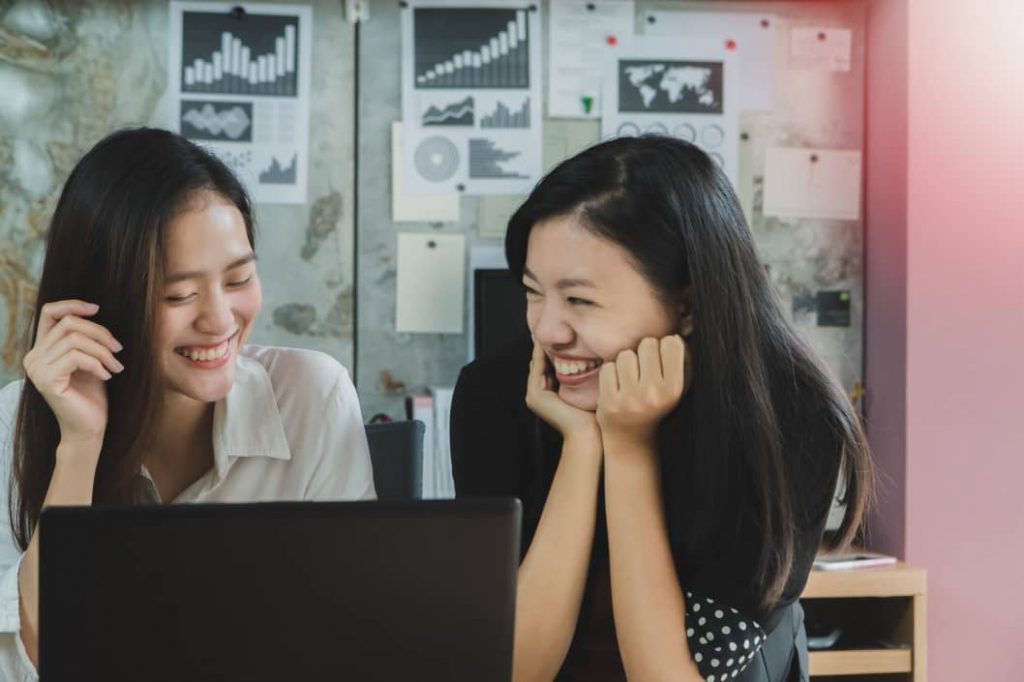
(396, 450)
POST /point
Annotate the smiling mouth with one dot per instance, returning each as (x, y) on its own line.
(206, 354)
(570, 368)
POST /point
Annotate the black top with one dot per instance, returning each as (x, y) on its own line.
(499, 447)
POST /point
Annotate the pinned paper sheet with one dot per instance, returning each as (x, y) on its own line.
(471, 96)
(406, 208)
(750, 35)
(431, 283)
(812, 183)
(827, 49)
(580, 32)
(688, 90)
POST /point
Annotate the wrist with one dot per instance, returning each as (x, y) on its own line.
(80, 455)
(629, 444)
(588, 437)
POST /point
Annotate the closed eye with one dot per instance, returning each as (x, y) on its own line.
(575, 300)
(240, 283)
(179, 299)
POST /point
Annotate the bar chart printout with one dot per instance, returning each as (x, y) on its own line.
(472, 48)
(471, 96)
(240, 85)
(257, 55)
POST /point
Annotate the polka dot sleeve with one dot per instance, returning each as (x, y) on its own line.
(722, 641)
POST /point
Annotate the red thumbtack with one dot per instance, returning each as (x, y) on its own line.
(612, 40)
(765, 23)
(730, 44)
(822, 36)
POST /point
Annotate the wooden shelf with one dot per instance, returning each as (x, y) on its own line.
(861, 662)
(884, 581)
(884, 604)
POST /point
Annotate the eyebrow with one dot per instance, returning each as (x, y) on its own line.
(565, 282)
(181, 276)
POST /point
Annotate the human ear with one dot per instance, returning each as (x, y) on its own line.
(685, 310)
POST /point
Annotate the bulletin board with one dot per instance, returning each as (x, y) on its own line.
(811, 136)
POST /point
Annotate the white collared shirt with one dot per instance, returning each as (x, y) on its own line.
(289, 429)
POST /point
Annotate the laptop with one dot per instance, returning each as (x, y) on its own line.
(365, 591)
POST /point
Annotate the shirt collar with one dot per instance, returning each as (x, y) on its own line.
(246, 423)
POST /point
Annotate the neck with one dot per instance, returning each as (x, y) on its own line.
(183, 447)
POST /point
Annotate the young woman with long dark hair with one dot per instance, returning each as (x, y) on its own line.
(139, 386)
(676, 445)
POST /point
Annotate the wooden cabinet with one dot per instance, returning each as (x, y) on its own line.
(882, 614)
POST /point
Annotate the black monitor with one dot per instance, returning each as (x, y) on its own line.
(499, 310)
(279, 591)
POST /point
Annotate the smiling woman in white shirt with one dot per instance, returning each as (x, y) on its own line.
(139, 386)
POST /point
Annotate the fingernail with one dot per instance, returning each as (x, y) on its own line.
(118, 346)
(119, 366)
(92, 306)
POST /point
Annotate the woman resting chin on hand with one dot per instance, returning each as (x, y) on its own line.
(679, 445)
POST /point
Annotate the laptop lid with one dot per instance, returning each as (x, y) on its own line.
(279, 591)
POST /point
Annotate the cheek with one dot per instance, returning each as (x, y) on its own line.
(250, 301)
(172, 323)
(532, 315)
(601, 338)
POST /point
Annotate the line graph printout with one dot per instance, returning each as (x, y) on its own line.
(240, 86)
(471, 100)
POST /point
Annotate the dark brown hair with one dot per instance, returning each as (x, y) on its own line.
(763, 413)
(106, 246)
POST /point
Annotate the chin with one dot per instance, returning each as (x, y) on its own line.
(206, 390)
(582, 398)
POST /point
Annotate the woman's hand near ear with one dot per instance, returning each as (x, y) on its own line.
(69, 364)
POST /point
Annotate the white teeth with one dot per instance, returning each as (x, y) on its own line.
(206, 354)
(568, 368)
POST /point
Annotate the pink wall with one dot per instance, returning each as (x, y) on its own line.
(885, 265)
(965, 332)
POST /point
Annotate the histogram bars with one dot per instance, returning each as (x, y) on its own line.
(501, 62)
(503, 117)
(234, 70)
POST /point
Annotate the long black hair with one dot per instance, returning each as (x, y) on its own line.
(736, 444)
(106, 245)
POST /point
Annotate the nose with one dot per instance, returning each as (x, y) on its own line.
(548, 324)
(216, 318)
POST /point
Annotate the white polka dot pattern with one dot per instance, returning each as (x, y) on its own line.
(722, 641)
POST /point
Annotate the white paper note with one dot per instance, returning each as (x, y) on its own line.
(431, 283)
(822, 48)
(578, 36)
(690, 91)
(812, 183)
(750, 34)
(241, 87)
(406, 208)
(471, 96)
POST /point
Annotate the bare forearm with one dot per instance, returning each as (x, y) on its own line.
(646, 598)
(554, 573)
(71, 484)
